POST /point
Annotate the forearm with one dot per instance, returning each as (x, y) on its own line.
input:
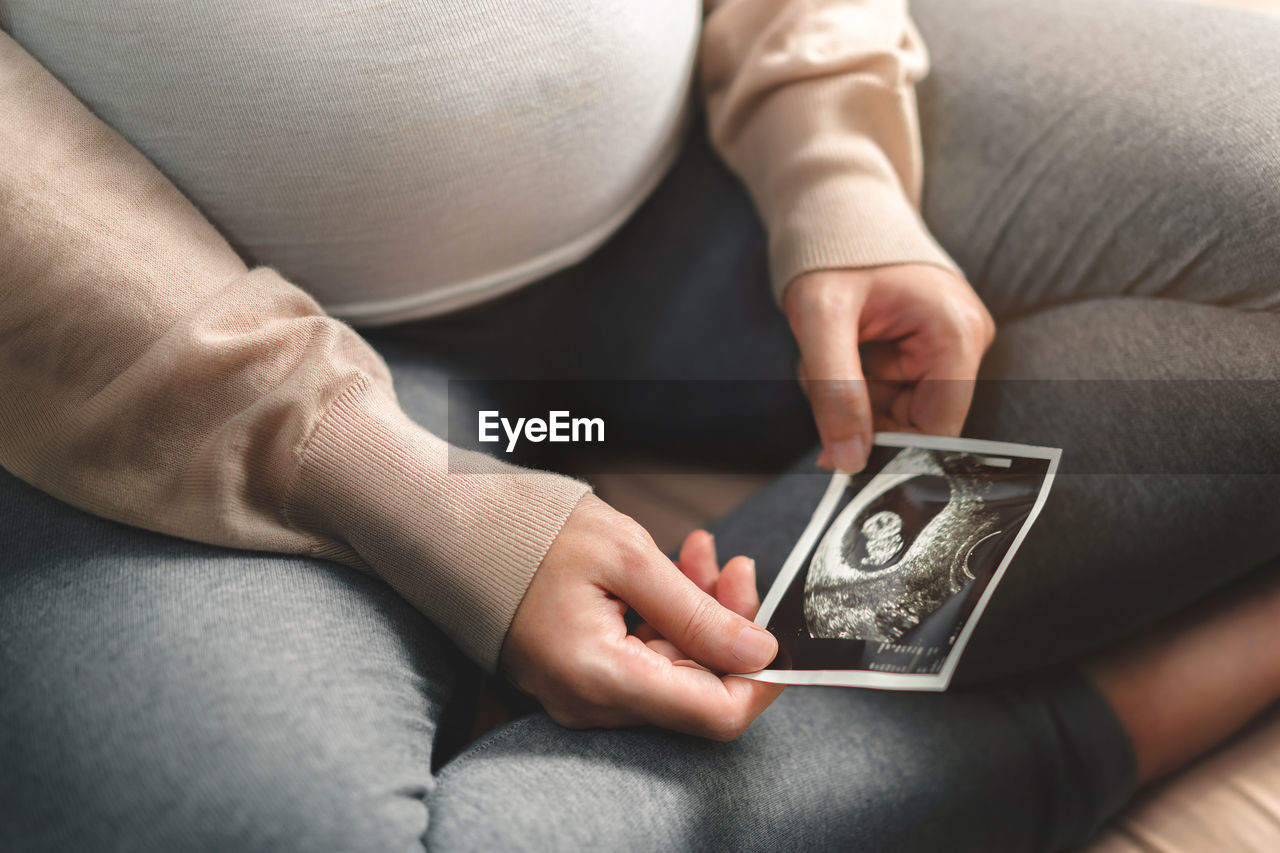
(151, 378)
(813, 105)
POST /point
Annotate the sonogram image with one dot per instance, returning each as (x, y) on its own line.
(897, 563)
(903, 546)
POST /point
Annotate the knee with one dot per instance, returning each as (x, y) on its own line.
(1215, 198)
(342, 813)
(232, 800)
(183, 698)
(1121, 149)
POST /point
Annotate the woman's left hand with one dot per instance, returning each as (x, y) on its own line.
(890, 348)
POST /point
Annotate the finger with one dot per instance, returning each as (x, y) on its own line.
(698, 560)
(901, 410)
(667, 650)
(692, 700)
(824, 456)
(736, 589)
(940, 406)
(699, 563)
(935, 402)
(829, 348)
(695, 622)
(646, 632)
(882, 361)
(886, 399)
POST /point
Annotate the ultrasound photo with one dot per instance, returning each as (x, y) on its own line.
(894, 570)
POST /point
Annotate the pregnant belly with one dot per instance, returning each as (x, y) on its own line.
(396, 159)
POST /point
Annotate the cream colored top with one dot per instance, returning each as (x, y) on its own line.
(394, 160)
(152, 376)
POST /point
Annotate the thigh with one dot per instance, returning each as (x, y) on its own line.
(157, 694)
(1028, 767)
(1086, 148)
(1168, 414)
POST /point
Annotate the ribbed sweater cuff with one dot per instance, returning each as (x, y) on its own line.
(458, 534)
(834, 166)
(849, 220)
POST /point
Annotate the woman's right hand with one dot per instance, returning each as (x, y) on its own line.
(570, 648)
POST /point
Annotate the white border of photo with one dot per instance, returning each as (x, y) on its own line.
(822, 517)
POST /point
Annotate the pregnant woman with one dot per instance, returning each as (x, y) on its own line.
(247, 590)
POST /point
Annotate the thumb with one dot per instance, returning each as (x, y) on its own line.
(697, 624)
(837, 392)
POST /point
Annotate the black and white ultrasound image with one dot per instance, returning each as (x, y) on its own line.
(906, 555)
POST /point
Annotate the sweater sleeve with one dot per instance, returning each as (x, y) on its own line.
(812, 104)
(149, 377)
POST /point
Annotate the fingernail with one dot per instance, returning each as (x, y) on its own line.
(755, 647)
(850, 455)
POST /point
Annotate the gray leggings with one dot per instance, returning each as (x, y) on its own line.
(1106, 173)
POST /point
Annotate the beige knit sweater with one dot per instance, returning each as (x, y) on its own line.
(150, 377)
